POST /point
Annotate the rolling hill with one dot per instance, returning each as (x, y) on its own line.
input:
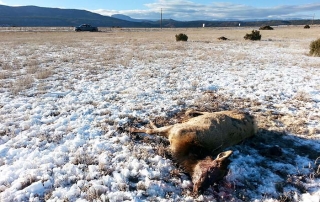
(40, 16)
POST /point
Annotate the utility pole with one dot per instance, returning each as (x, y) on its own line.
(161, 19)
(313, 18)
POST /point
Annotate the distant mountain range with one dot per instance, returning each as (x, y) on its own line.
(128, 18)
(28, 16)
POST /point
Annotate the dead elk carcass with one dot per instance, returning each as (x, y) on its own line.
(205, 135)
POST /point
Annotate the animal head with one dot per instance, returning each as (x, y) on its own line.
(208, 171)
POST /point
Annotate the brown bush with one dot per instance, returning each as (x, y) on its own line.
(255, 35)
(267, 27)
(181, 37)
(315, 48)
(223, 38)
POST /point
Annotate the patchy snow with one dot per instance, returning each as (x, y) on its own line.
(63, 137)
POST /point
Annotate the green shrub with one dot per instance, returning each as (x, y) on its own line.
(181, 37)
(255, 35)
(315, 48)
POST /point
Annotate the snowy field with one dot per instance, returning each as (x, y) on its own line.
(67, 100)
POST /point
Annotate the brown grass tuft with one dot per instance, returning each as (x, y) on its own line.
(21, 84)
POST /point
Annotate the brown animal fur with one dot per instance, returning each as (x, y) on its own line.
(206, 134)
(208, 171)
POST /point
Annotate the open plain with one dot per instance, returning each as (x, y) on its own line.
(67, 99)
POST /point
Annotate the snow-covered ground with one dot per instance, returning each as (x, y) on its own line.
(68, 98)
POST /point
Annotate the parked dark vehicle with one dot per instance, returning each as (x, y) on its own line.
(86, 27)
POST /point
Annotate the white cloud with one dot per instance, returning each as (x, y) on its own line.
(189, 10)
(2, 3)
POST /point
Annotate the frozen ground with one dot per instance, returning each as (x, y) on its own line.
(66, 100)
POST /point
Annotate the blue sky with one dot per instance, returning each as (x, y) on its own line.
(188, 9)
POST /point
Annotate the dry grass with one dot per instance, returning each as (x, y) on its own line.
(30, 59)
(28, 181)
(4, 74)
(21, 84)
(138, 36)
(36, 53)
(44, 73)
(5, 66)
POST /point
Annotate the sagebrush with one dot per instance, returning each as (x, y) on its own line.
(315, 48)
(255, 35)
(267, 27)
(181, 37)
